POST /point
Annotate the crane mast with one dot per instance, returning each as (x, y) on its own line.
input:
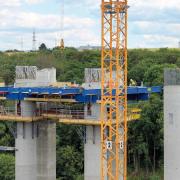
(114, 90)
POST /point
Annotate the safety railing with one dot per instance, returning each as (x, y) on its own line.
(56, 113)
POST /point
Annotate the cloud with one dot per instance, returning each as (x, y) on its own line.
(77, 30)
(94, 3)
(164, 41)
(10, 3)
(151, 41)
(154, 23)
(158, 4)
(33, 1)
(18, 3)
(23, 19)
(151, 23)
(155, 28)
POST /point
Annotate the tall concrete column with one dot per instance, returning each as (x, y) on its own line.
(26, 142)
(172, 124)
(46, 151)
(92, 147)
(36, 147)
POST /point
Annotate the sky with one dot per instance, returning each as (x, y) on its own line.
(151, 23)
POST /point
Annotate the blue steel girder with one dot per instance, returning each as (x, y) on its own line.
(78, 94)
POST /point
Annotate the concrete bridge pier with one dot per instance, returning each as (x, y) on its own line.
(92, 146)
(26, 144)
(46, 151)
(36, 147)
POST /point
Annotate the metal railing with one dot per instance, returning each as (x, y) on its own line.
(7, 110)
(57, 113)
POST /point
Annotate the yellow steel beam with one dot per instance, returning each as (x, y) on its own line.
(66, 119)
(91, 121)
(80, 122)
(133, 117)
(57, 116)
(134, 110)
(69, 120)
(14, 118)
(50, 100)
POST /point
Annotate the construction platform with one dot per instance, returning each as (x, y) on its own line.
(64, 117)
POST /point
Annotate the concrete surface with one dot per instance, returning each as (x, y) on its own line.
(46, 151)
(172, 124)
(92, 147)
(36, 147)
(26, 143)
(35, 142)
(30, 76)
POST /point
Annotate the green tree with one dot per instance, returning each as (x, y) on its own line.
(145, 141)
(7, 167)
(155, 74)
(69, 153)
(69, 163)
(42, 47)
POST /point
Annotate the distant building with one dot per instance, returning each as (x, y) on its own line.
(88, 47)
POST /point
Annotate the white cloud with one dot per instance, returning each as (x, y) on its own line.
(165, 41)
(50, 21)
(10, 3)
(151, 23)
(94, 3)
(24, 19)
(33, 1)
(156, 4)
(156, 28)
(17, 3)
(77, 30)
(154, 23)
(152, 41)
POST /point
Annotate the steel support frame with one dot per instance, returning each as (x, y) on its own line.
(114, 77)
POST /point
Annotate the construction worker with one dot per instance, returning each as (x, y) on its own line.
(133, 82)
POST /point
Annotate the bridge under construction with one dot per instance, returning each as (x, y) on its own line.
(101, 104)
(37, 104)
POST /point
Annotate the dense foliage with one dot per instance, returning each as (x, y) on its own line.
(145, 137)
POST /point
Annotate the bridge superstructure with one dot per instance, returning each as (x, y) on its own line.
(68, 95)
(36, 107)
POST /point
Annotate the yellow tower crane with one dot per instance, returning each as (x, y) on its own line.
(114, 90)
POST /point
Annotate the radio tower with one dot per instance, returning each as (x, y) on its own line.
(34, 41)
(114, 90)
